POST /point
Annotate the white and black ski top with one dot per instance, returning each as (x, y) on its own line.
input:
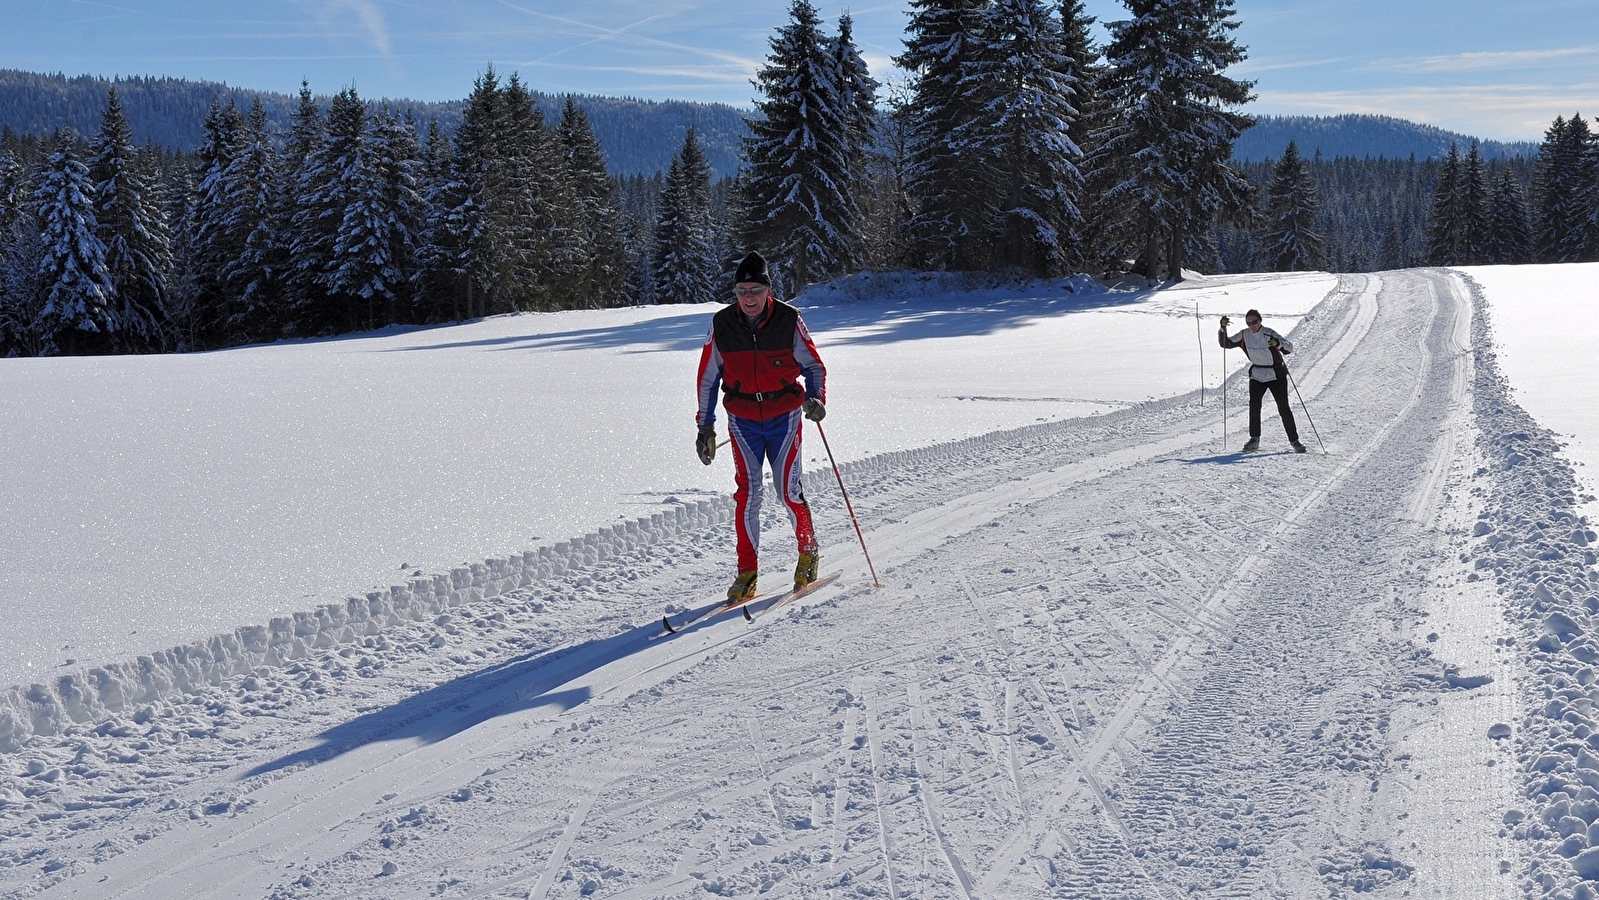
(1263, 360)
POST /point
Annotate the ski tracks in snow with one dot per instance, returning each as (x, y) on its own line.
(1112, 661)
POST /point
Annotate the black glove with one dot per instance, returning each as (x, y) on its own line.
(1273, 343)
(1224, 321)
(705, 444)
(814, 410)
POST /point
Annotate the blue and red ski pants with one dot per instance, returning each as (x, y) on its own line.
(755, 442)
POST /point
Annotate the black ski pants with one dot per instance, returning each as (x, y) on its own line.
(1279, 391)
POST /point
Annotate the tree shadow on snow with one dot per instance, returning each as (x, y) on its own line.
(526, 682)
(869, 321)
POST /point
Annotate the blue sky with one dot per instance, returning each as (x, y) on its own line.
(1488, 68)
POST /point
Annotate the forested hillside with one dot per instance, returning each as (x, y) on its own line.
(1357, 137)
(637, 136)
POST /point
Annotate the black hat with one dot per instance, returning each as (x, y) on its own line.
(752, 269)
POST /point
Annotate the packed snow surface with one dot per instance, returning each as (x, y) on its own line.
(156, 500)
(1111, 656)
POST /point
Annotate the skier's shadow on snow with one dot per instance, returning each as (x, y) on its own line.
(525, 682)
(1233, 458)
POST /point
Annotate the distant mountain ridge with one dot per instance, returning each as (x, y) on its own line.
(1360, 136)
(639, 137)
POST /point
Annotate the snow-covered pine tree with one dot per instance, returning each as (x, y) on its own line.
(686, 265)
(294, 226)
(797, 186)
(471, 244)
(1292, 241)
(440, 254)
(384, 247)
(1475, 194)
(329, 257)
(857, 101)
(1172, 125)
(212, 230)
(1019, 72)
(1562, 191)
(21, 258)
(952, 201)
(77, 315)
(138, 246)
(1088, 71)
(253, 280)
(603, 281)
(1510, 233)
(1446, 227)
(541, 211)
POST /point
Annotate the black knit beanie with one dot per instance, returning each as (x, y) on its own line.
(752, 269)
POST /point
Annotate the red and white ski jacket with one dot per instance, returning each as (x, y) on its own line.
(1263, 360)
(759, 367)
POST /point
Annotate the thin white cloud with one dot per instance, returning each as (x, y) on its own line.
(749, 65)
(1251, 67)
(366, 13)
(1480, 61)
(1512, 112)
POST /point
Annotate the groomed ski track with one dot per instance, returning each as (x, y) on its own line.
(1112, 660)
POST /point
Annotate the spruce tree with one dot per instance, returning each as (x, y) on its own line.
(1020, 73)
(294, 224)
(1087, 70)
(1474, 207)
(1172, 124)
(21, 260)
(253, 280)
(211, 228)
(686, 265)
(1563, 191)
(797, 192)
(472, 244)
(1446, 227)
(1509, 234)
(603, 280)
(328, 236)
(132, 228)
(443, 194)
(77, 315)
(1292, 242)
(540, 210)
(951, 198)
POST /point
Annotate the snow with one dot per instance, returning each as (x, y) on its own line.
(158, 500)
(1547, 338)
(1111, 657)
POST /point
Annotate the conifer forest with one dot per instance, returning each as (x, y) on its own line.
(1017, 146)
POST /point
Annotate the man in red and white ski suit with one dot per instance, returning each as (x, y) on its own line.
(757, 351)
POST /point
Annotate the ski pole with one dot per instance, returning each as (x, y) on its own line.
(1306, 409)
(1224, 397)
(1199, 333)
(847, 506)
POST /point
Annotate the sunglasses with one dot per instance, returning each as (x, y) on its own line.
(750, 292)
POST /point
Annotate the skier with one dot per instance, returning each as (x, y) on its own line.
(1267, 371)
(757, 350)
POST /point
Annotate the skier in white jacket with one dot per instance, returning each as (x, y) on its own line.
(1267, 372)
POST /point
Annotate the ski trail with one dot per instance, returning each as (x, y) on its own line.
(925, 793)
(563, 847)
(874, 756)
